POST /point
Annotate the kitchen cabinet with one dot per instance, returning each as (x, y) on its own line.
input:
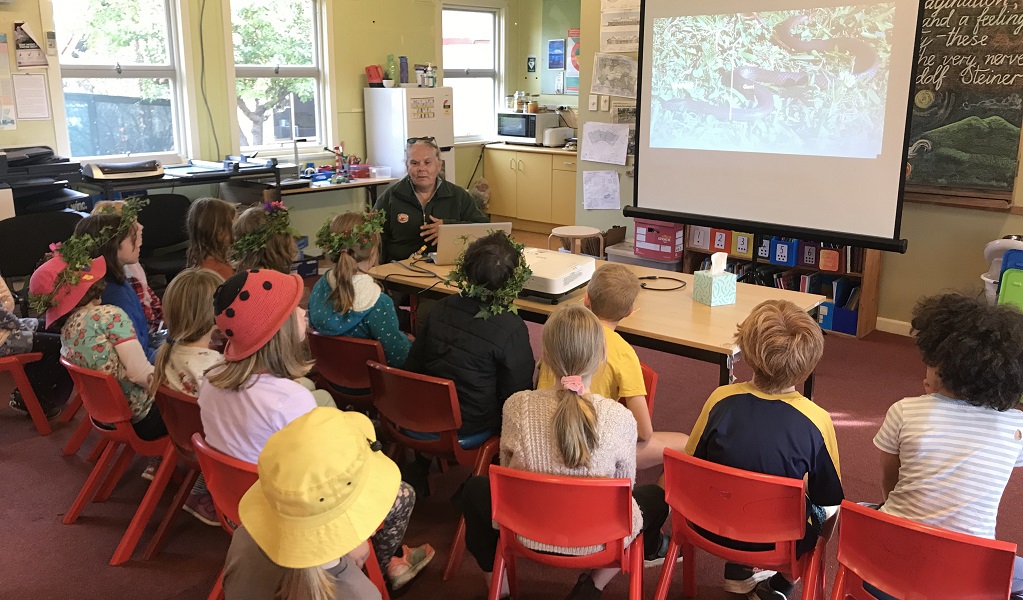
(534, 188)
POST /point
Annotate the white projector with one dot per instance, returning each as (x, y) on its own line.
(557, 273)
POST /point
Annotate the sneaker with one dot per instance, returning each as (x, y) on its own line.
(764, 591)
(150, 471)
(584, 589)
(18, 404)
(740, 579)
(201, 507)
(402, 569)
(657, 558)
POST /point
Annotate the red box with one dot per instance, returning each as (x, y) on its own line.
(721, 240)
(359, 171)
(659, 240)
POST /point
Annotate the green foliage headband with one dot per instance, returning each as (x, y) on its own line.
(278, 222)
(359, 236)
(77, 250)
(493, 302)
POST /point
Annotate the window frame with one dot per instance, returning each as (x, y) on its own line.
(497, 9)
(178, 57)
(319, 71)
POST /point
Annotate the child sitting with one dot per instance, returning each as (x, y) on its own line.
(209, 222)
(947, 456)
(611, 294)
(475, 338)
(766, 426)
(567, 430)
(264, 238)
(346, 301)
(182, 361)
(324, 486)
(94, 335)
(253, 395)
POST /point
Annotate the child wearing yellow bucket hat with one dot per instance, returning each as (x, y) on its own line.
(324, 487)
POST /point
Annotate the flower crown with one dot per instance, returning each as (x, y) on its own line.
(493, 302)
(359, 236)
(77, 250)
(278, 222)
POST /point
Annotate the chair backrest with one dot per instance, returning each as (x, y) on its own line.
(163, 221)
(911, 560)
(180, 413)
(342, 360)
(24, 239)
(650, 383)
(227, 479)
(735, 504)
(577, 511)
(414, 402)
(102, 396)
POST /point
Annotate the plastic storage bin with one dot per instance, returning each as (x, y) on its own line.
(624, 253)
(659, 240)
(380, 171)
(359, 171)
(783, 251)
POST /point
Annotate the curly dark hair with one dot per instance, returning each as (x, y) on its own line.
(975, 348)
(491, 260)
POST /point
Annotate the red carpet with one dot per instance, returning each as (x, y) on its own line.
(44, 559)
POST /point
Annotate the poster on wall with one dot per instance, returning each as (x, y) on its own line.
(619, 31)
(572, 64)
(28, 53)
(556, 55)
(7, 118)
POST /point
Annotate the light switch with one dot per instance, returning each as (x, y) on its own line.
(593, 102)
(605, 103)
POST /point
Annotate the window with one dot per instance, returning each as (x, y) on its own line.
(470, 68)
(277, 73)
(120, 82)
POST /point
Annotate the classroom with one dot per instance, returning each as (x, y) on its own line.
(800, 224)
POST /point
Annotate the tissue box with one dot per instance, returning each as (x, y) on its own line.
(714, 290)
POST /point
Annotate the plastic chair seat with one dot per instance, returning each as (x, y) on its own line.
(468, 442)
(15, 365)
(341, 365)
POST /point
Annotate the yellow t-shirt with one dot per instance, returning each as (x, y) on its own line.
(620, 377)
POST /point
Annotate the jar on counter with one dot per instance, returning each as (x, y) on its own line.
(509, 102)
(533, 106)
(520, 101)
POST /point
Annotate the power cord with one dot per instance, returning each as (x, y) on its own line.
(202, 78)
(681, 284)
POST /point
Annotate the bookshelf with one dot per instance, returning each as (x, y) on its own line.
(805, 264)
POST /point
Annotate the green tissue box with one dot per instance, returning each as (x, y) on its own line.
(714, 290)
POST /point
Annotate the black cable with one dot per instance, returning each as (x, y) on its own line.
(478, 161)
(681, 284)
(202, 78)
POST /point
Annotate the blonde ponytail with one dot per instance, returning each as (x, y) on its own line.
(348, 256)
(343, 293)
(188, 314)
(573, 345)
(312, 583)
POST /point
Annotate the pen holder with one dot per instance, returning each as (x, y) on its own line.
(714, 290)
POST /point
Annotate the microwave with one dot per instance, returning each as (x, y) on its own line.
(525, 128)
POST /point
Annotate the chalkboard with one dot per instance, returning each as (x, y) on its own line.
(968, 98)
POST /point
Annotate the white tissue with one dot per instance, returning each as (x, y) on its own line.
(718, 262)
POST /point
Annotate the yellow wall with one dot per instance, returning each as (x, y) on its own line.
(28, 132)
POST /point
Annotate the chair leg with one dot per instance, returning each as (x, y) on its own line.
(172, 511)
(28, 395)
(373, 572)
(115, 474)
(74, 402)
(513, 575)
(91, 484)
(146, 507)
(96, 450)
(636, 568)
(667, 570)
(497, 576)
(688, 570)
(457, 547)
(217, 593)
(78, 437)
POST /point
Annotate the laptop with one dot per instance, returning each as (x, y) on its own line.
(453, 239)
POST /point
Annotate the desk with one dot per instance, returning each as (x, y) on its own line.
(671, 322)
(370, 183)
(182, 176)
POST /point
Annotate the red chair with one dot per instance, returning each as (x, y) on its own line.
(577, 511)
(911, 560)
(650, 383)
(105, 403)
(15, 365)
(180, 413)
(341, 363)
(409, 402)
(738, 505)
(227, 479)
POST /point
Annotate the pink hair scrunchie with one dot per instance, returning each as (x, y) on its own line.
(574, 383)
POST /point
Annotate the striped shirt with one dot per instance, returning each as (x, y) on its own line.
(955, 461)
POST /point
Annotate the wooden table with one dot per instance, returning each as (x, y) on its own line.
(671, 322)
(370, 183)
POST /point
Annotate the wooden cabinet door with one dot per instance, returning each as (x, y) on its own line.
(562, 197)
(534, 186)
(500, 168)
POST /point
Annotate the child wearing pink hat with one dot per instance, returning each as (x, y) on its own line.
(254, 395)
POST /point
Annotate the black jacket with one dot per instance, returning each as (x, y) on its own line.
(488, 359)
(405, 215)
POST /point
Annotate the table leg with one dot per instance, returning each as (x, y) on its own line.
(726, 364)
(372, 191)
(808, 386)
(577, 246)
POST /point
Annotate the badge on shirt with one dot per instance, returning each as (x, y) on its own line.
(402, 218)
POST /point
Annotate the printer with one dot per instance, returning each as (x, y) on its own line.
(556, 274)
(39, 180)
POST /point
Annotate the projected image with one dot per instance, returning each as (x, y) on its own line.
(810, 82)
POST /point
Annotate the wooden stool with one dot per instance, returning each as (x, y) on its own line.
(576, 233)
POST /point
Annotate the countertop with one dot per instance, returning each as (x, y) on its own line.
(524, 148)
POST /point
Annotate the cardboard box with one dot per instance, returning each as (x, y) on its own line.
(808, 252)
(659, 240)
(783, 251)
(714, 290)
(699, 237)
(720, 240)
(742, 244)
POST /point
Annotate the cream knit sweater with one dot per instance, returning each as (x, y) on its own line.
(528, 444)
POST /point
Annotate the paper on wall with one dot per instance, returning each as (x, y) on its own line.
(28, 52)
(606, 5)
(31, 97)
(619, 31)
(604, 142)
(7, 119)
(601, 190)
(624, 112)
(614, 75)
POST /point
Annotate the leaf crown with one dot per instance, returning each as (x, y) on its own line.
(278, 222)
(493, 302)
(359, 236)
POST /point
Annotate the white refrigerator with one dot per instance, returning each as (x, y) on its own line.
(393, 115)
